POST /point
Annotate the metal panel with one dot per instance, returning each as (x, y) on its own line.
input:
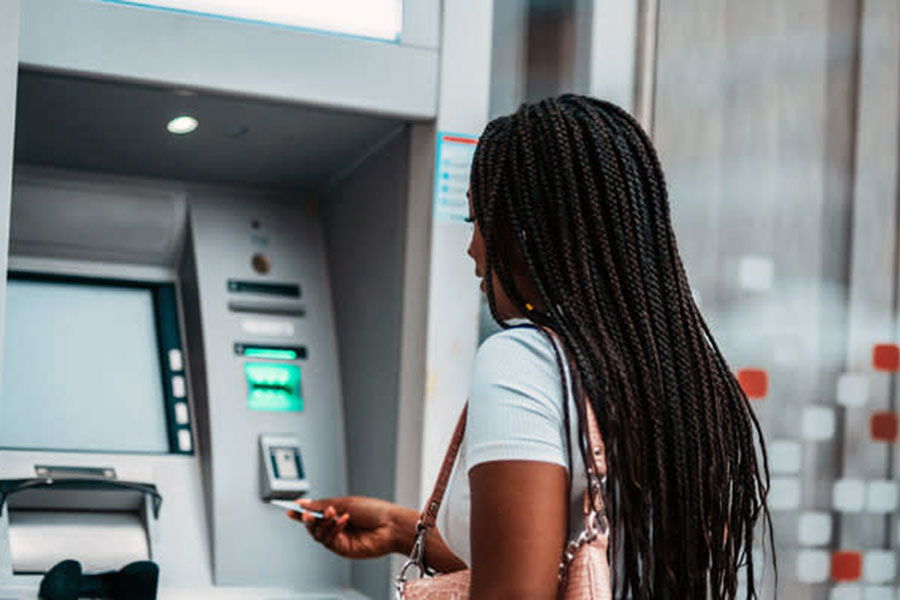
(365, 227)
(9, 57)
(415, 316)
(421, 23)
(200, 53)
(453, 296)
(253, 542)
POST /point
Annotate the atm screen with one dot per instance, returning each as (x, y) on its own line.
(82, 368)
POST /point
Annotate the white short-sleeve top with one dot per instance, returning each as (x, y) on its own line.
(515, 413)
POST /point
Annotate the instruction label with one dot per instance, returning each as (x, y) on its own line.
(454, 162)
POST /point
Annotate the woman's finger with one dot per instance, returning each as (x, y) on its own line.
(322, 529)
(316, 505)
(329, 534)
(293, 514)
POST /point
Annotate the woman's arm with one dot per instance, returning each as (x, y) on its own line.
(518, 529)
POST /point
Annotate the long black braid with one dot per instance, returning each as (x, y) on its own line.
(572, 189)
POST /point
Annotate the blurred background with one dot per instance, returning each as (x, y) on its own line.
(776, 123)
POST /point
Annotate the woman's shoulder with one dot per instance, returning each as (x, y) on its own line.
(521, 352)
(516, 400)
(519, 339)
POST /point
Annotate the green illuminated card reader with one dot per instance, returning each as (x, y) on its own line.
(281, 467)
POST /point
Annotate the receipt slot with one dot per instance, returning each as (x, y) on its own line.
(281, 468)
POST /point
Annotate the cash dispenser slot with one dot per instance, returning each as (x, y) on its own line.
(268, 307)
(289, 290)
(271, 352)
(101, 522)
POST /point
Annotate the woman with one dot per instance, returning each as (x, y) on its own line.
(572, 232)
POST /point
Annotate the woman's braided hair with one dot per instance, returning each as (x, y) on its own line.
(571, 189)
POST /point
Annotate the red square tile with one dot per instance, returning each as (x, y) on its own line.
(886, 357)
(883, 426)
(754, 382)
(846, 566)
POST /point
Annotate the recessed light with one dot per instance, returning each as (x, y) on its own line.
(182, 125)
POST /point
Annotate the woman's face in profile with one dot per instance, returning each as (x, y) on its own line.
(478, 251)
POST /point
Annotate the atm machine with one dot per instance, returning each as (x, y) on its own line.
(199, 323)
(172, 359)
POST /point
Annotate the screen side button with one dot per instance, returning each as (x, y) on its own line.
(181, 413)
(179, 389)
(176, 360)
(184, 440)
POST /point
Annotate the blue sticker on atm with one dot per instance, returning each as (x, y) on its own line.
(454, 156)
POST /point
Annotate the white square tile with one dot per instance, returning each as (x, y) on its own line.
(853, 389)
(814, 528)
(849, 495)
(813, 566)
(846, 592)
(787, 350)
(879, 566)
(882, 496)
(784, 493)
(817, 423)
(878, 592)
(756, 273)
(784, 457)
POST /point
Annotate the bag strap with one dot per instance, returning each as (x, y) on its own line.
(429, 514)
(594, 458)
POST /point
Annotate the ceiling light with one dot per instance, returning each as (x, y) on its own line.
(182, 125)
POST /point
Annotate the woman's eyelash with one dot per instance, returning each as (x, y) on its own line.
(469, 219)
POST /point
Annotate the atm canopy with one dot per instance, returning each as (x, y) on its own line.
(116, 127)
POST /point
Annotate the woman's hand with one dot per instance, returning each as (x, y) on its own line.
(358, 527)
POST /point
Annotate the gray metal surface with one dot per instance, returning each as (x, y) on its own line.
(126, 222)
(9, 62)
(116, 41)
(118, 127)
(251, 543)
(366, 227)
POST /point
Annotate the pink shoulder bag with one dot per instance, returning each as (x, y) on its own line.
(584, 567)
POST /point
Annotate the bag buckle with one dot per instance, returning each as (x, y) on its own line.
(415, 560)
